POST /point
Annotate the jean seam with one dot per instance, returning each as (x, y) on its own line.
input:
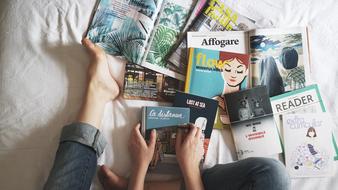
(85, 171)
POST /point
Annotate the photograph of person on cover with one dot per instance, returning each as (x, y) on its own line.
(278, 62)
(248, 104)
(235, 71)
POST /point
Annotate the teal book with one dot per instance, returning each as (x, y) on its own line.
(165, 120)
(162, 117)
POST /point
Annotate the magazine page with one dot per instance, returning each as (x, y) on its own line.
(123, 28)
(305, 100)
(215, 16)
(308, 150)
(279, 59)
(220, 73)
(171, 21)
(144, 84)
(252, 123)
(231, 41)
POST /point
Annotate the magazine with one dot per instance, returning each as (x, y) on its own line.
(144, 84)
(308, 149)
(202, 113)
(216, 15)
(213, 73)
(279, 57)
(140, 31)
(252, 124)
(305, 100)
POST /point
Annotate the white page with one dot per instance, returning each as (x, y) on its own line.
(306, 154)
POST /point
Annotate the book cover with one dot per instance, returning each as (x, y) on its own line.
(252, 124)
(202, 113)
(171, 20)
(123, 28)
(220, 73)
(144, 84)
(155, 117)
(216, 15)
(279, 59)
(165, 120)
(304, 100)
(308, 149)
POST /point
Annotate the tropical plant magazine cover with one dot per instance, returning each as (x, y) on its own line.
(140, 31)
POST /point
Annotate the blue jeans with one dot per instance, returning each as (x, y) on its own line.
(247, 174)
(81, 144)
(76, 158)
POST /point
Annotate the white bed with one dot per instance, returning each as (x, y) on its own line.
(42, 81)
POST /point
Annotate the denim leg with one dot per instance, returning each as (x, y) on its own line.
(76, 158)
(250, 173)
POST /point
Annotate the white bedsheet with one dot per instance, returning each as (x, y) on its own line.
(42, 81)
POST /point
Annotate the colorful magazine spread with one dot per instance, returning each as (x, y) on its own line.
(252, 124)
(308, 150)
(279, 57)
(215, 16)
(304, 100)
(141, 31)
(214, 73)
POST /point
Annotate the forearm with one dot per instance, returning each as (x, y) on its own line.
(193, 180)
(92, 107)
(137, 178)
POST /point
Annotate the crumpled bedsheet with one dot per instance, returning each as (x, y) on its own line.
(43, 78)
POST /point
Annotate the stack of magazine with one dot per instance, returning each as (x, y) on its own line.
(219, 71)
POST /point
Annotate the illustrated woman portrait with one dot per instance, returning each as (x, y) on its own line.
(234, 72)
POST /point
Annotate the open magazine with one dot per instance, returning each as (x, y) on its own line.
(142, 31)
(279, 57)
(216, 15)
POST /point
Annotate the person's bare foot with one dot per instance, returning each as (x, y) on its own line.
(109, 180)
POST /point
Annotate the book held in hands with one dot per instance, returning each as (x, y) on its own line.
(166, 121)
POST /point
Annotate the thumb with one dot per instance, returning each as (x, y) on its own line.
(152, 140)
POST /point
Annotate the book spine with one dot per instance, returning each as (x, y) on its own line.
(143, 124)
(189, 71)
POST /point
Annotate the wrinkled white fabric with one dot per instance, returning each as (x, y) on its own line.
(43, 75)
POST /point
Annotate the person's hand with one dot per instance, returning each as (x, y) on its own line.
(141, 155)
(141, 151)
(189, 149)
(99, 78)
(189, 152)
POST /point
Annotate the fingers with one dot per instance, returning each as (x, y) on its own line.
(179, 138)
(198, 133)
(192, 132)
(152, 140)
